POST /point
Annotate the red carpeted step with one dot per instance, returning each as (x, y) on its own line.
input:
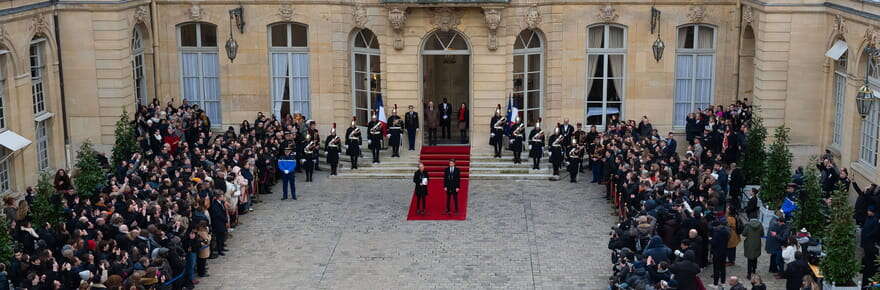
(436, 160)
(446, 150)
(440, 174)
(443, 168)
(445, 157)
(445, 163)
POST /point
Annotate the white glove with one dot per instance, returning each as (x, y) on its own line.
(286, 171)
(369, 141)
(491, 134)
(302, 161)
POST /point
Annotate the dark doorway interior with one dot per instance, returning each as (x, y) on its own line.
(447, 77)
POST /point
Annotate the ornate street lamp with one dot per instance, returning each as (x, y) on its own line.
(658, 46)
(235, 15)
(865, 98)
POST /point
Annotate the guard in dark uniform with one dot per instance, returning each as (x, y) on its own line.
(496, 131)
(395, 130)
(375, 135)
(299, 140)
(310, 155)
(536, 145)
(517, 138)
(332, 148)
(575, 154)
(412, 126)
(353, 141)
(556, 150)
(566, 130)
(313, 131)
(580, 136)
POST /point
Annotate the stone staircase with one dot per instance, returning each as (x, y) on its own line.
(486, 167)
(389, 167)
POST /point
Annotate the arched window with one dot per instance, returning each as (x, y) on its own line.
(37, 57)
(839, 101)
(5, 173)
(200, 68)
(289, 50)
(137, 67)
(606, 73)
(528, 75)
(871, 123)
(366, 75)
(694, 70)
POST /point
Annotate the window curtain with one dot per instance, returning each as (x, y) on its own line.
(705, 37)
(191, 91)
(592, 66)
(596, 35)
(615, 35)
(870, 128)
(211, 84)
(703, 93)
(683, 79)
(839, 87)
(300, 87)
(279, 81)
(683, 36)
(615, 62)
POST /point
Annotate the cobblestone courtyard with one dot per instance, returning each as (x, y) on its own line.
(353, 234)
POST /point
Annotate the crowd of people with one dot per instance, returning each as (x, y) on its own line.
(681, 213)
(162, 212)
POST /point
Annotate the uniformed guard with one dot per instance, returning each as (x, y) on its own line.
(536, 145)
(575, 154)
(556, 151)
(299, 139)
(310, 155)
(412, 126)
(375, 135)
(332, 147)
(517, 138)
(496, 131)
(316, 136)
(353, 141)
(395, 130)
(580, 136)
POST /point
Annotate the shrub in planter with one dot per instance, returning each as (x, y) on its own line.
(46, 207)
(6, 242)
(755, 154)
(840, 265)
(126, 141)
(811, 208)
(90, 174)
(778, 166)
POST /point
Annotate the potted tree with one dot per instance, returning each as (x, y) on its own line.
(778, 166)
(840, 265)
(90, 174)
(126, 141)
(47, 204)
(811, 210)
(755, 154)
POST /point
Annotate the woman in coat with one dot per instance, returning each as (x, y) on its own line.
(420, 179)
(734, 237)
(752, 244)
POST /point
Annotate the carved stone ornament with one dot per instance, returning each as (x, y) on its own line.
(397, 18)
(39, 24)
(839, 24)
(872, 36)
(493, 20)
(196, 12)
(359, 14)
(445, 18)
(285, 12)
(607, 14)
(696, 14)
(533, 17)
(748, 14)
(142, 14)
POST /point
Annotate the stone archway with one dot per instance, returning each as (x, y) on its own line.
(446, 74)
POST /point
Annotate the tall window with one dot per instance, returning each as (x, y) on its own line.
(199, 67)
(528, 75)
(38, 67)
(137, 66)
(606, 63)
(4, 171)
(694, 71)
(42, 145)
(839, 94)
(871, 124)
(366, 74)
(289, 48)
(2, 93)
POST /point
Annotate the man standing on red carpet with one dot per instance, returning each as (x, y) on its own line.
(452, 184)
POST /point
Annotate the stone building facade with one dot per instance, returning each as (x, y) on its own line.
(580, 60)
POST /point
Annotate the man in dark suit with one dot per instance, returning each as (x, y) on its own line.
(566, 131)
(445, 119)
(451, 183)
(219, 221)
(411, 122)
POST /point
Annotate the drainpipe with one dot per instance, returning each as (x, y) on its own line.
(154, 19)
(61, 84)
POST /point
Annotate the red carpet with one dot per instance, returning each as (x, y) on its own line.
(436, 159)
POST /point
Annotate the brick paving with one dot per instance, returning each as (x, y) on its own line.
(354, 234)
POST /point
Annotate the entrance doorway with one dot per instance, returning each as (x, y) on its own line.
(446, 77)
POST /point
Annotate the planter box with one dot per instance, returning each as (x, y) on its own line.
(827, 286)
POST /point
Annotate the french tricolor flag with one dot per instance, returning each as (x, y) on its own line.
(380, 113)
